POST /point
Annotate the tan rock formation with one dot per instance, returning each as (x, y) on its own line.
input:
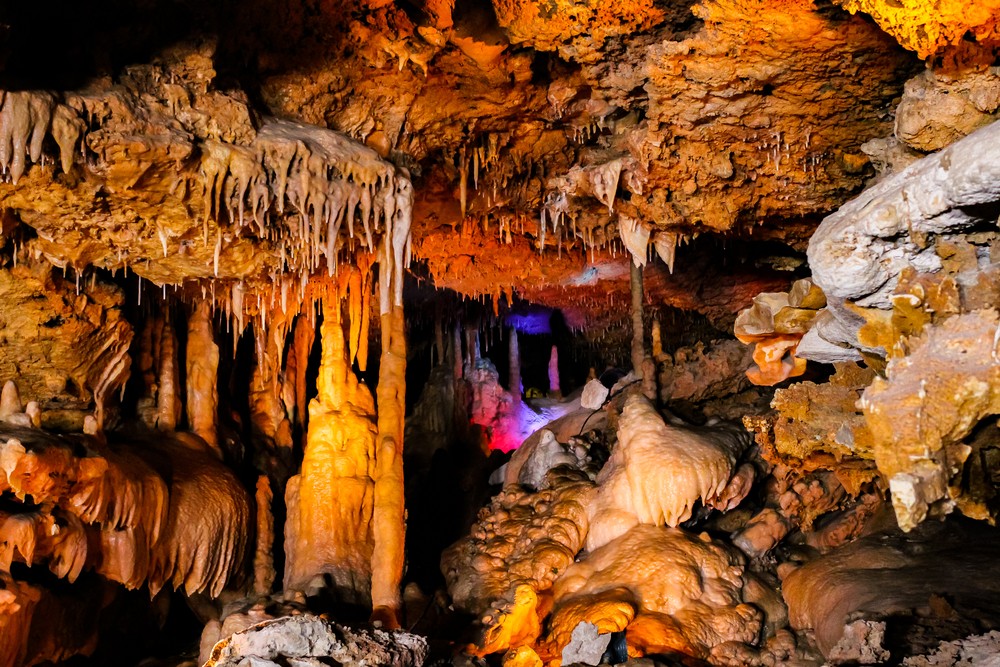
(331, 501)
(693, 581)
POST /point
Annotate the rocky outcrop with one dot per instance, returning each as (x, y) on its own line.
(66, 344)
(311, 640)
(858, 253)
(894, 578)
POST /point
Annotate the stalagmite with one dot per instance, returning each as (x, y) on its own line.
(168, 402)
(10, 400)
(554, 389)
(328, 530)
(638, 344)
(515, 366)
(202, 376)
(263, 562)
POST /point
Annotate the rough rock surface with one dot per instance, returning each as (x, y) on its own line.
(883, 575)
(859, 252)
(972, 651)
(928, 404)
(824, 417)
(66, 345)
(312, 641)
(693, 582)
(705, 371)
(928, 29)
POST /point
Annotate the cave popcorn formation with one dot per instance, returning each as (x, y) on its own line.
(519, 333)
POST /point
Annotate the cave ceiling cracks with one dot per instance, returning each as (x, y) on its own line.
(519, 123)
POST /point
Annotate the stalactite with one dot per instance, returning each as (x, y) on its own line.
(515, 366)
(263, 562)
(638, 345)
(168, 402)
(203, 376)
(389, 516)
(272, 402)
(298, 364)
(328, 529)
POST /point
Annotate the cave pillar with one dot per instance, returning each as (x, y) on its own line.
(389, 515)
(638, 347)
(271, 402)
(202, 381)
(169, 407)
(328, 530)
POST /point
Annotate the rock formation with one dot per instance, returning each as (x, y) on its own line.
(655, 312)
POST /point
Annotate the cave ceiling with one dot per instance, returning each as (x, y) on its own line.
(530, 130)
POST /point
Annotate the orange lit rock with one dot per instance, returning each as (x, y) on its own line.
(263, 562)
(776, 360)
(331, 501)
(168, 401)
(273, 401)
(610, 610)
(925, 28)
(64, 347)
(693, 580)
(522, 540)
(824, 417)
(204, 545)
(202, 379)
(653, 633)
(522, 656)
(17, 605)
(512, 622)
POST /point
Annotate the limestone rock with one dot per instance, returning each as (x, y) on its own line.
(879, 576)
(929, 402)
(936, 113)
(859, 252)
(314, 641)
(594, 395)
(66, 348)
(586, 645)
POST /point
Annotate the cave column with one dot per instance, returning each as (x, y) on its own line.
(638, 347)
(168, 402)
(202, 359)
(389, 521)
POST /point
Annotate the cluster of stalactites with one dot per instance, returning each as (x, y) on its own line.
(313, 192)
(25, 119)
(319, 182)
(484, 155)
